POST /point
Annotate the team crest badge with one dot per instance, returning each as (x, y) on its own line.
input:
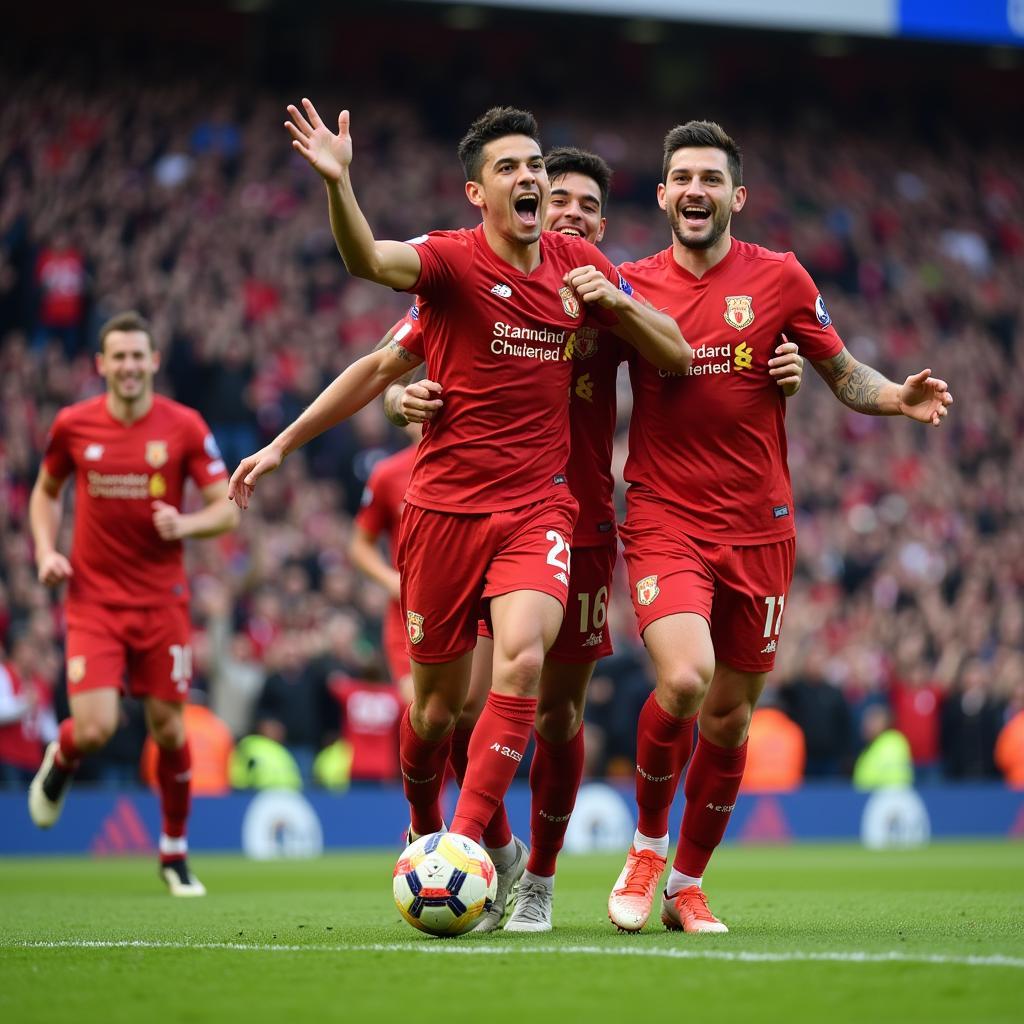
(76, 668)
(647, 590)
(570, 303)
(156, 453)
(414, 626)
(739, 312)
(586, 343)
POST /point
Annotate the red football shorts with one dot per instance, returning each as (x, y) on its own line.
(451, 563)
(740, 590)
(145, 651)
(584, 636)
(395, 654)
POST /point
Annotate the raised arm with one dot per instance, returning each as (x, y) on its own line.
(353, 388)
(920, 397)
(654, 335)
(45, 510)
(395, 264)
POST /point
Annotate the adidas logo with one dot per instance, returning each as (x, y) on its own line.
(122, 831)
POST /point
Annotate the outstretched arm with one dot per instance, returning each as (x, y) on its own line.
(395, 264)
(353, 388)
(654, 335)
(920, 397)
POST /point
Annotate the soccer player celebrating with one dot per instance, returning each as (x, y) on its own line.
(488, 512)
(709, 539)
(127, 606)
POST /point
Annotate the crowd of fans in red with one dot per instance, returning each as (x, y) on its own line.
(911, 552)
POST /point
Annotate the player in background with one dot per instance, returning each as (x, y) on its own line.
(131, 452)
(709, 538)
(488, 510)
(379, 515)
(580, 184)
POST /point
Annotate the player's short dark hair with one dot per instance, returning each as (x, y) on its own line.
(704, 134)
(570, 160)
(130, 320)
(495, 124)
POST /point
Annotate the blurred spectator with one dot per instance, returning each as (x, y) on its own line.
(1009, 752)
(27, 721)
(823, 716)
(61, 282)
(885, 762)
(261, 763)
(370, 712)
(776, 752)
(971, 720)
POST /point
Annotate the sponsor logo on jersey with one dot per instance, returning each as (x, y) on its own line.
(585, 388)
(414, 626)
(76, 668)
(583, 343)
(93, 453)
(216, 467)
(210, 447)
(157, 486)
(508, 340)
(743, 359)
(647, 590)
(502, 291)
(769, 648)
(625, 286)
(821, 312)
(156, 453)
(594, 640)
(739, 312)
(570, 303)
(117, 485)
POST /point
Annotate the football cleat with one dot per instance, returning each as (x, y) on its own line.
(411, 837)
(632, 897)
(688, 911)
(180, 881)
(48, 789)
(532, 909)
(507, 878)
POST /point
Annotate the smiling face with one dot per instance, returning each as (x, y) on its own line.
(575, 207)
(128, 364)
(698, 196)
(513, 188)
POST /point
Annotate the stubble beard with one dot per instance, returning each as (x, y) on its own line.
(719, 225)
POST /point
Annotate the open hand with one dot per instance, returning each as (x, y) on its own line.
(328, 153)
(243, 481)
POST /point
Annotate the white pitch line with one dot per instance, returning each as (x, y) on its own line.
(447, 948)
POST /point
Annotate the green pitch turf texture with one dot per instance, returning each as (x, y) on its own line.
(820, 934)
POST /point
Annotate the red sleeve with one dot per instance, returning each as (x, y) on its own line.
(445, 256)
(806, 319)
(203, 460)
(409, 333)
(57, 457)
(372, 516)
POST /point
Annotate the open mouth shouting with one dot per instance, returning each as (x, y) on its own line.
(695, 214)
(527, 207)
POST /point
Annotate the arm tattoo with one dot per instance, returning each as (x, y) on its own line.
(855, 385)
(401, 353)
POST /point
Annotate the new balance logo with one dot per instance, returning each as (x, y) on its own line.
(502, 291)
(515, 755)
(93, 452)
(770, 649)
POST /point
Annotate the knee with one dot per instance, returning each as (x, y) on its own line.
(518, 675)
(92, 734)
(433, 718)
(559, 723)
(727, 727)
(169, 734)
(684, 685)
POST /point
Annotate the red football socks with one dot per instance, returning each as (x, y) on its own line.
(555, 777)
(69, 755)
(663, 745)
(711, 787)
(174, 776)
(423, 765)
(496, 750)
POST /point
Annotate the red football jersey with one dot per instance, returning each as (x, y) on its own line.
(117, 556)
(711, 444)
(370, 715)
(498, 341)
(384, 497)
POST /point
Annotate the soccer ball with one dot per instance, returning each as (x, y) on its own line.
(443, 884)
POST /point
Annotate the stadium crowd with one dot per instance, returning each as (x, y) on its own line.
(910, 573)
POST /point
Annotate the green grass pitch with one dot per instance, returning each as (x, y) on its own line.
(820, 934)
